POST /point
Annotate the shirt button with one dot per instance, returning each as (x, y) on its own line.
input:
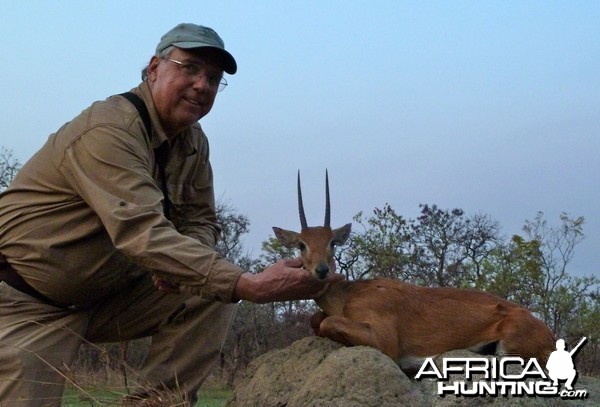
(122, 203)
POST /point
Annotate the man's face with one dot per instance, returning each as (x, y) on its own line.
(181, 98)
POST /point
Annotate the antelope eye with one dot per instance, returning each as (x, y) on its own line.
(301, 246)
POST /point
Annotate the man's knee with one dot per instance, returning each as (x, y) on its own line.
(212, 317)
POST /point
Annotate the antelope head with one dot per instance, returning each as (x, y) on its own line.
(316, 243)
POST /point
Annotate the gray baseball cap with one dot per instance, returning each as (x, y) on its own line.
(191, 36)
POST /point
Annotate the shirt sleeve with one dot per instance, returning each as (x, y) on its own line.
(110, 168)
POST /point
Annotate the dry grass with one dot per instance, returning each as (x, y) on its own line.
(103, 395)
(106, 388)
(113, 384)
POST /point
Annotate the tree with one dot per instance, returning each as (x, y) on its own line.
(513, 271)
(233, 227)
(560, 292)
(481, 239)
(381, 250)
(587, 323)
(8, 168)
(449, 248)
(440, 247)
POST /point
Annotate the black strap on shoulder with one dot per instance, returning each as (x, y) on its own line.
(159, 153)
(141, 108)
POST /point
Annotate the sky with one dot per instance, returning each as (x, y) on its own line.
(488, 106)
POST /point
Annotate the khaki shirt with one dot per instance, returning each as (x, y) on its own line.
(87, 209)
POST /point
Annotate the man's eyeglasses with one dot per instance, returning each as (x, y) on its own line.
(196, 71)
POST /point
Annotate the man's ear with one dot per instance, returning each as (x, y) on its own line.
(286, 237)
(152, 66)
(342, 234)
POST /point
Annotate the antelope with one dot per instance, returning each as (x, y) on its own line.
(406, 322)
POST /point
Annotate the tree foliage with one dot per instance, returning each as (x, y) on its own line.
(234, 226)
(380, 249)
(449, 246)
(513, 271)
(8, 168)
(439, 248)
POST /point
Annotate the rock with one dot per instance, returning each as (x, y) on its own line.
(318, 372)
(273, 377)
(355, 377)
(315, 372)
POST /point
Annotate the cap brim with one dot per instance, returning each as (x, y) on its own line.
(227, 61)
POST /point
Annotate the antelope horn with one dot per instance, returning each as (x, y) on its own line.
(301, 206)
(327, 204)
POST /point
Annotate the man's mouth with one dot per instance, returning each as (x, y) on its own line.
(194, 102)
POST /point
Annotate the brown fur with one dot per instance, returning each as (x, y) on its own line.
(408, 322)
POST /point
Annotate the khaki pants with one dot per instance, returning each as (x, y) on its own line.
(39, 342)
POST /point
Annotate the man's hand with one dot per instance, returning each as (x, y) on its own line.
(282, 281)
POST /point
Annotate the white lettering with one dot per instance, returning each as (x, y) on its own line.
(453, 388)
(434, 372)
(454, 365)
(510, 360)
(506, 388)
(573, 394)
(487, 388)
(471, 367)
(497, 378)
(533, 369)
(545, 389)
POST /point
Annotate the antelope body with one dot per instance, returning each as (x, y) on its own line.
(406, 322)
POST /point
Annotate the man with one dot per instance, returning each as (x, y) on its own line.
(108, 234)
(560, 365)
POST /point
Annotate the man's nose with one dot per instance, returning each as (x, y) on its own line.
(201, 81)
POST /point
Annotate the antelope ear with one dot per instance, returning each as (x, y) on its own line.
(286, 237)
(342, 234)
